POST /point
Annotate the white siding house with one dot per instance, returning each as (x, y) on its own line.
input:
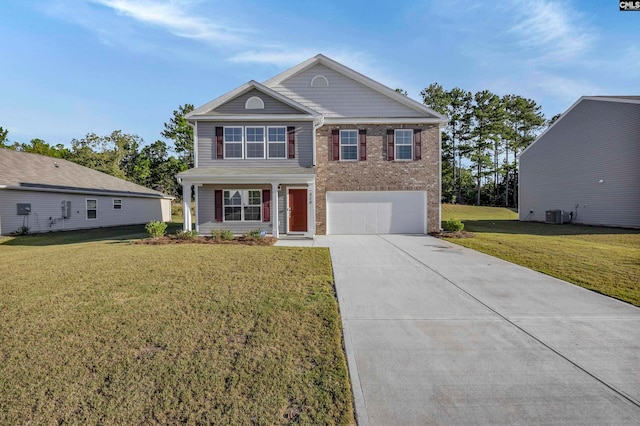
(586, 164)
(45, 194)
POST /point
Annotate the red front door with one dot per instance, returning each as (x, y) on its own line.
(297, 210)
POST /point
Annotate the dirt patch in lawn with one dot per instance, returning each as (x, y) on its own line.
(242, 240)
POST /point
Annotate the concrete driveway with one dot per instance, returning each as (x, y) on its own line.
(439, 334)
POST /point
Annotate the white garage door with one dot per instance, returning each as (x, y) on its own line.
(373, 212)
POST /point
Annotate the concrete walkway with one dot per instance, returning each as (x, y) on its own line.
(439, 334)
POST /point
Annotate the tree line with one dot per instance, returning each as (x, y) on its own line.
(480, 144)
(125, 155)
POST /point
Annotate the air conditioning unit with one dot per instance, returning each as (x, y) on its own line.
(553, 216)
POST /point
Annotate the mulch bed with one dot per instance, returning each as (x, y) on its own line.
(172, 239)
(456, 234)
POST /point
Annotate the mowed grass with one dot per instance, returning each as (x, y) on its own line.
(107, 332)
(606, 260)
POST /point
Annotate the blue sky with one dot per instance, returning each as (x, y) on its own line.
(69, 67)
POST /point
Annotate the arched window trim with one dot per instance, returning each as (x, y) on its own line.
(319, 81)
(254, 102)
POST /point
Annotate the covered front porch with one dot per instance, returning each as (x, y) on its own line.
(279, 201)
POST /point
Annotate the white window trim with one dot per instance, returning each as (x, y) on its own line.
(286, 143)
(319, 77)
(86, 208)
(395, 144)
(264, 143)
(114, 203)
(357, 145)
(242, 206)
(224, 143)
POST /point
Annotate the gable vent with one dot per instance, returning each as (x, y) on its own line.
(254, 102)
(319, 81)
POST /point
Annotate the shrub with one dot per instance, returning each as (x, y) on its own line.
(222, 234)
(23, 230)
(453, 225)
(255, 234)
(187, 235)
(156, 229)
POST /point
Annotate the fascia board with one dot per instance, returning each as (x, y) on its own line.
(381, 120)
(254, 117)
(89, 192)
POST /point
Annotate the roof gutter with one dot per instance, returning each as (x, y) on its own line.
(159, 196)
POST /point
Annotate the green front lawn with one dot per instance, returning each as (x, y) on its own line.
(107, 332)
(606, 260)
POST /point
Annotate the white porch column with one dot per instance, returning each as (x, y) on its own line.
(274, 210)
(311, 211)
(186, 206)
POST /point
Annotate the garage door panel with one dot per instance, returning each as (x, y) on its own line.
(370, 212)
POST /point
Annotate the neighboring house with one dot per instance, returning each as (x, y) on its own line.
(317, 149)
(586, 164)
(49, 194)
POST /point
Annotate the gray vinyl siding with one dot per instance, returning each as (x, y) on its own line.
(46, 211)
(207, 146)
(206, 212)
(596, 140)
(271, 105)
(344, 97)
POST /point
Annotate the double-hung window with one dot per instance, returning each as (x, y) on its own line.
(242, 205)
(349, 145)
(92, 208)
(404, 144)
(233, 142)
(277, 142)
(255, 142)
(117, 204)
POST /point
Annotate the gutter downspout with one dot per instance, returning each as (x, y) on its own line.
(316, 126)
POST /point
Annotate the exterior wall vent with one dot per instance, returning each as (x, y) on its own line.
(319, 81)
(254, 102)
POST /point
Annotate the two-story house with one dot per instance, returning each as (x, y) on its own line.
(317, 149)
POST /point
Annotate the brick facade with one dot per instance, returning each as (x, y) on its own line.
(376, 173)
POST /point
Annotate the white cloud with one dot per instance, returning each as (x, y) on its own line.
(173, 16)
(552, 28)
(278, 57)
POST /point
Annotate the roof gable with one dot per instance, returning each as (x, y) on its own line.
(558, 122)
(23, 170)
(233, 103)
(348, 93)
